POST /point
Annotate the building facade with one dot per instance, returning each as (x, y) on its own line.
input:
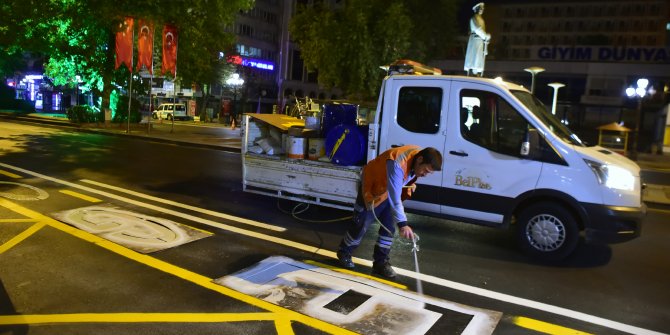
(595, 48)
(269, 61)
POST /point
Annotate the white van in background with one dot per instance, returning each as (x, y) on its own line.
(170, 110)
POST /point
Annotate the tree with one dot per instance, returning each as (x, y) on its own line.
(348, 43)
(77, 37)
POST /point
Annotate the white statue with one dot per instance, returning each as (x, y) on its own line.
(477, 43)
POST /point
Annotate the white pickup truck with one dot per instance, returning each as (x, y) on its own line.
(507, 161)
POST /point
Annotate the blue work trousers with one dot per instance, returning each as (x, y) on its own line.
(359, 225)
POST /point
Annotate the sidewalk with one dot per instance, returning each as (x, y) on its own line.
(201, 134)
(218, 136)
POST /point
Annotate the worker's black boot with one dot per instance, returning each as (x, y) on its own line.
(383, 269)
(345, 259)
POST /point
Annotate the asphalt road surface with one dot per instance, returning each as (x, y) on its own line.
(110, 235)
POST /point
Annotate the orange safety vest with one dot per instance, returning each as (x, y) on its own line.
(375, 178)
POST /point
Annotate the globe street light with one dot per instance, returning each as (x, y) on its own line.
(234, 81)
(638, 92)
(533, 71)
(555, 86)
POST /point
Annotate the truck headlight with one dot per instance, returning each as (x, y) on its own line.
(612, 176)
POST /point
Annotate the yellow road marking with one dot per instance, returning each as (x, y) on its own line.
(80, 196)
(134, 317)
(544, 327)
(16, 220)
(358, 274)
(284, 327)
(20, 237)
(9, 174)
(176, 271)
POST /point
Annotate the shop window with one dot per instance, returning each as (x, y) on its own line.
(245, 30)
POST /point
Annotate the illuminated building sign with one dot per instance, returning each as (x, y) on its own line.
(603, 54)
(250, 62)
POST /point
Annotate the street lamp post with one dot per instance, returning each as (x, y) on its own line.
(555, 86)
(638, 92)
(261, 95)
(234, 81)
(533, 71)
(77, 80)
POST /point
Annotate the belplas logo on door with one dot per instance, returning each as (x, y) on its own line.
(470, 181)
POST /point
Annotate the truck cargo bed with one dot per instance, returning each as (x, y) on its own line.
(307, 181)
(303, 180)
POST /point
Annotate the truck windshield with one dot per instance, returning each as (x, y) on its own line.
(553, 123)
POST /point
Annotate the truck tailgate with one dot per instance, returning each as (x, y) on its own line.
(301, 180)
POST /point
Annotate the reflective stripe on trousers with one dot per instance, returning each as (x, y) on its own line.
(359, 225)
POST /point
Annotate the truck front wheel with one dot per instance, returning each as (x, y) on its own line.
(547, 231)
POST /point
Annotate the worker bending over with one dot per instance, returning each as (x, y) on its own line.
(387, 180)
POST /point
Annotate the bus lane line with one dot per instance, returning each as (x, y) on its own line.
(10, 175)
(358, 274)
(80, 196)
(556, 310)
(153, 207)
(176, 271)
(187, 207)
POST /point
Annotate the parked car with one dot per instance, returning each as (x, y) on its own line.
(168, 111)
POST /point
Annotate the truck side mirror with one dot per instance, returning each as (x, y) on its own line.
(529, 143)
(525, 146)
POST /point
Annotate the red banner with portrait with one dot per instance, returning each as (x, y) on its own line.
(145, 45)
(169, 50)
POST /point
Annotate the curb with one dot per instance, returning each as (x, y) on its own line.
(161, 140)
(78, 128)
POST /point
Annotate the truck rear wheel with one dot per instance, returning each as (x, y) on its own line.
(547, 231)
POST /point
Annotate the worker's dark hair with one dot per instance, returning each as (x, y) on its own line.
(431, 156)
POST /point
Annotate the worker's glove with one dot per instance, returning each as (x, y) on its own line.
(411, 188)
(407, 192)
(407, 232)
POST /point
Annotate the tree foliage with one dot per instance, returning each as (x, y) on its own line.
(348, 43)
(77, 37)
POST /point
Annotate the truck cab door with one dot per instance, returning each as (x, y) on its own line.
(484, 168)
(415, 114)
